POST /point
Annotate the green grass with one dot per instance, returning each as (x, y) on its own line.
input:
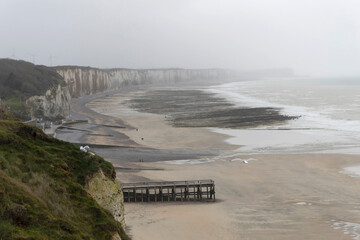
(26, 79)
(18, 109)
(42, 192)
(14, 103)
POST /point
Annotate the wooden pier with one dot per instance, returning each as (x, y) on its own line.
(198, 190)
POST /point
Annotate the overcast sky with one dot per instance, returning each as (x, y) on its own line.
(317, 37)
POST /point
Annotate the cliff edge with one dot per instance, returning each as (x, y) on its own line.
(87, 80)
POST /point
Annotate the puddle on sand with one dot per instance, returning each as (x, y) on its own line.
(348, 228)
(303, 204)
(352, 171)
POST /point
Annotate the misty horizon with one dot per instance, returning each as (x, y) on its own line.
(318, 38)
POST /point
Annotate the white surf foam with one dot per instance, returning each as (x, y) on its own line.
(314, 131)
(309, 117)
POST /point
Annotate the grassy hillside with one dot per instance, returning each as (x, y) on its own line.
(20, 80)
(26, 78)
(41, 187)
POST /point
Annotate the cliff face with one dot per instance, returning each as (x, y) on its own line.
(54, 104)
(84, 81)
(108, 194)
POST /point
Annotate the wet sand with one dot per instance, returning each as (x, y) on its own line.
(289, 196)
(273, 197)
(100, 129)
(152, 130)
(130, 139)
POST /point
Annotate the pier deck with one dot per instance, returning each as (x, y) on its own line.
(197, 190)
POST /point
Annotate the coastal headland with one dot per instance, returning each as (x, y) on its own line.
(273, 196)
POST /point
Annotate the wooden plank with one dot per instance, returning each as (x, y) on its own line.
(176, 183)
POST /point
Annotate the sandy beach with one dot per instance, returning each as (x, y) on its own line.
(272, 197)
(153, 130)
(288, 196)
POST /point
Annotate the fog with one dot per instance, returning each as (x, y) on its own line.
(316, 37)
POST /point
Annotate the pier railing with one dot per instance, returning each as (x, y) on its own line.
(196, 190)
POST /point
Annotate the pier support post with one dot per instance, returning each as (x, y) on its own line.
(181, 192)
(161, 194)
(155, 194)
(173, 194)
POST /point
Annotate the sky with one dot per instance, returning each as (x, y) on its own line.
(313, 37)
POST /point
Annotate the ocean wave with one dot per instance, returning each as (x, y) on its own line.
(317, 128)
(308, 117)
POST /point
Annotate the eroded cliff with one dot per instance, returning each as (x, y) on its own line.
(85, 80)
(54, 104)
(108, 194)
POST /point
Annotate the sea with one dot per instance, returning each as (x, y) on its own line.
(328, 111)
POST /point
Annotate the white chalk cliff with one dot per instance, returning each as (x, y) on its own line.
(55, 104)
(85, 80)
(108, 194)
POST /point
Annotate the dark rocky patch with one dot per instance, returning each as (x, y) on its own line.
(195, 108)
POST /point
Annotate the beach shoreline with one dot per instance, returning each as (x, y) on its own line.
(155, 130)
(273, 196)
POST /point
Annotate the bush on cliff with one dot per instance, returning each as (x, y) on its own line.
(41, 187)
